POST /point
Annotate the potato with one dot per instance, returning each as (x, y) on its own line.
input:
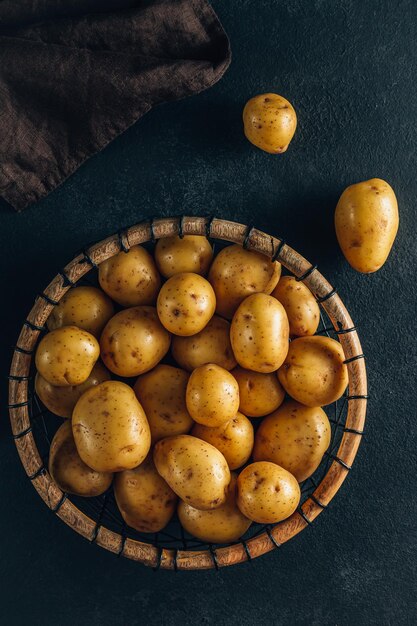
(145, 500)
(134, 341)
(237, 273)
(130, 278)
(313, 372)
(366, 220)
(62, 400)
(67, 469)
(161, 392)
(222, 525)
(259, 333)
(210, 345)
(300, 305)
(85, 307)
(174, 255)
(185, 304)
(110, 428)
(195, 470)
(294, 437)
(259, 394)
(234, 439)
(66, 356)
(269, 122)
(267, 493)
(212, 395)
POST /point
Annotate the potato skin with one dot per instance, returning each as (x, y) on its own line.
(192, 253)
(260, 333)
(313, 372)
(300, 305)
(134, 341)
(195, 470)
(259, 394)
(234, 439)
(294, 437)
(237, 273)
(212, 395)
(366, 221)
(87, 308)
(269, 122)
(110, 428)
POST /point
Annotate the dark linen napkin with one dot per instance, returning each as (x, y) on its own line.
(74, 74)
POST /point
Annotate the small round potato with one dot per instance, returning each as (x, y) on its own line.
(110, 428)
(130, 278)
(186, 303)
(192, 253)
(195, 470)
(234, 439)
(259, 394)
(314, 372)
(161, 392)
(145, 500)
(269, 122)
(222, 525)
(294, 437)
(66, 356)
(267, 493)
(212, 395)
(134, 341)
(68, 470)
(237, 273)
(210, 345)
(300, 305)
(260, 333)
(85, 307)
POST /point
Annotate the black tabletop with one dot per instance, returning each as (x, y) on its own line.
(349, 68)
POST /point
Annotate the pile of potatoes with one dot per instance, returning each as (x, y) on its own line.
(210, 348)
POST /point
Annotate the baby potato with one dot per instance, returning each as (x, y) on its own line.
(300, 305)
(259, 394)
(195, 470)
(260, 333)
(191, 253)
(161, 392)
(366, 221)
(313, 372)
(145, 500)
(68, 470)
(134, 341)
(267, 493)
(294, 437)
(110, 428)
(212, 395)
(269, 122)
(130, 278)
(237, 273)
(186, 303)
(222, 525)
(85, 307)
(234, 439)
(210, 345)
(66, 356)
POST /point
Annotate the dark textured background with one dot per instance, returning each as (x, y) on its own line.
(349, 68)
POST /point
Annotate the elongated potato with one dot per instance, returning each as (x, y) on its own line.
(85, 307)
(234, 439)
(300, 305)
(212, 395)
(259, 394)
(175, 255)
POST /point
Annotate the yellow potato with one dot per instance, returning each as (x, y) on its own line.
(234, 439)
(313, 372)
(237, 273)
(110, 428)
(145, 500)
(366, 221)
(68, 470)
(134, 341)
(66, 356)
(161, 392)
(130, 278)
(85, 307)
(267, 493)
(174, 255)
(300, 305)
(259, 394)
(195, 470)
(259, 333)
(186, 303)
(222, 525)
(210, 345)
(212, 395)
(294, 437)
(269, 122)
